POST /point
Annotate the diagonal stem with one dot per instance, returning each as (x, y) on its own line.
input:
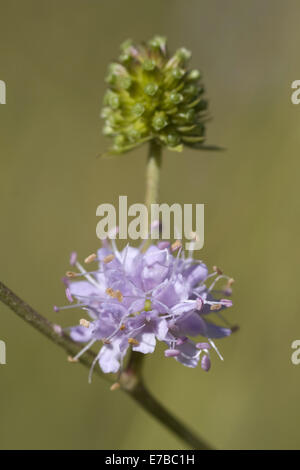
(130, 382)
(47, 328)
(147, 401)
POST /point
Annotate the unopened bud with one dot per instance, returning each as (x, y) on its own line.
(205, 363)
(172, 352)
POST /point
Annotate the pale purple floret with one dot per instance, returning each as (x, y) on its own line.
(136, 298)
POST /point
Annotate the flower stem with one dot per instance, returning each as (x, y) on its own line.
(152, 174)
(47, 328)
(147, 401)
(131, 384)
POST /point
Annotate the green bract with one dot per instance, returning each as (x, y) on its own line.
(154, 96)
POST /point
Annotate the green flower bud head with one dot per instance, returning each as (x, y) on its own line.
(153, 95)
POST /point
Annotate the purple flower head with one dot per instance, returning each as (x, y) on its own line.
(135, 298)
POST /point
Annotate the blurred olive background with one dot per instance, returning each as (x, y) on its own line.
(53, 57)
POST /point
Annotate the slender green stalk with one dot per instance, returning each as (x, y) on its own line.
(147, 401)
(152, 174)
(47, 328)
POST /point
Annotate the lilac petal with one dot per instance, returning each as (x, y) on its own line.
(103, 253)
(181, 340)
(133, 265)
(184, 307)
(104, 328)
(153, 275)
(163, 245)
(162, 330)
(150, 326)
(130, 257)
(83, 288)
(137, 305)
(197, 274)
(171, 293)
(215, 331)
(203, 346)
(147, 343)
(191, 325)
(156, 267)
(115, 311)
(109, 320)
(189, 355)
(81, 334)
(110, 357)
(155, 255)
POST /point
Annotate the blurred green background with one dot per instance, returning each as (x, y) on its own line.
(53, 57)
